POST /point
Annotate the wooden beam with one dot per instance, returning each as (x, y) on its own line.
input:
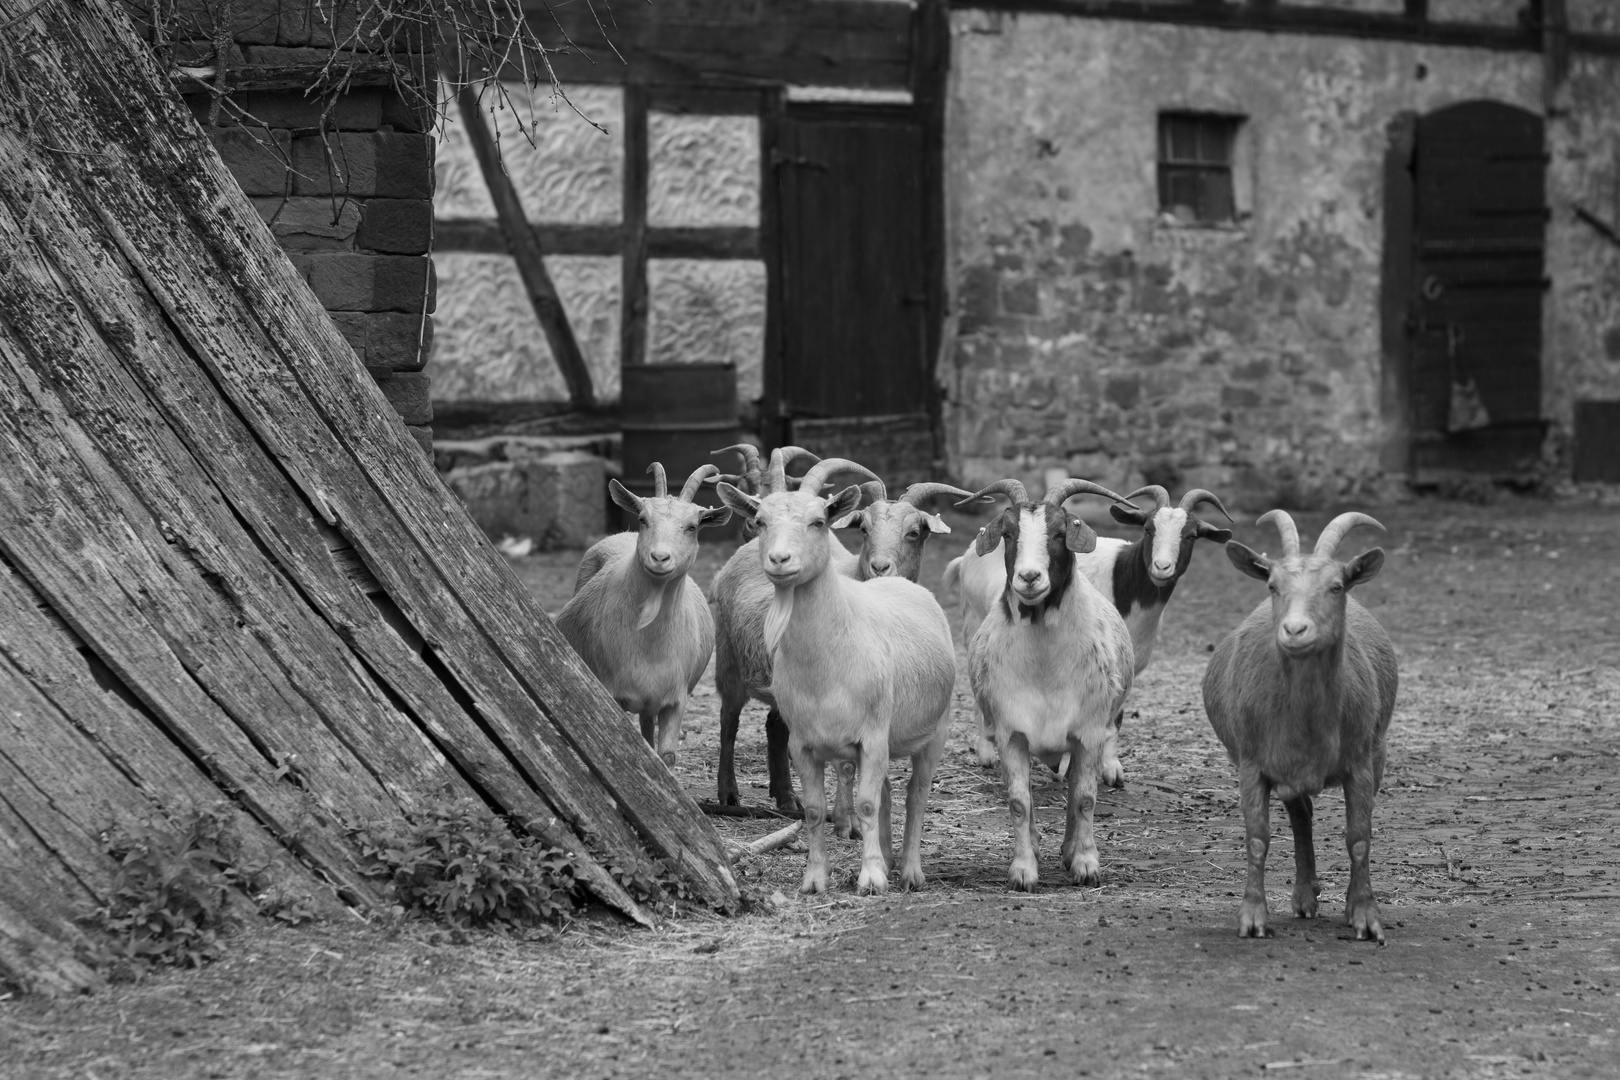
(1303, 19)
(1554, 52)
(633, 269)
(704, 100)
(1395, 290)
(663, 241)
(525, 248)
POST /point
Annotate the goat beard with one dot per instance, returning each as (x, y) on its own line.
(652, 606)
(776, 618)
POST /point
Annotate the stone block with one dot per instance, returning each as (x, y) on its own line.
(352, 281)
(556, 498)
(407, 392)
(400, 226)
(310, 224)
(387, 164)
(398, 342)
(1239, 397)
(423, 434)
(1021, 297)
(404, 115)
(353, 325)
(356, 111)
(257, 158)
(977, 299)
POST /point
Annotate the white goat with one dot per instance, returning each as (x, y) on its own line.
(862, 671)
(639, 623)
(1136, 576)
(1301, 696)
(1050, 665)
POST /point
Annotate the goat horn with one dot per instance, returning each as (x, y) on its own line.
(1013, 489)
(916, 493)
(1329, 540)
(1190, 501)
(695, 481)
(753, 466)
(1064, 490)
(1161, 497)
(660, 483)
(1285, 527)
(826, 468)
(873, 491)
(776, 476)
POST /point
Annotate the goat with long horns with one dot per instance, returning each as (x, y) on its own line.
(1301, 696)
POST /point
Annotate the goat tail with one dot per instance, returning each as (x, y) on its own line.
(952, 578)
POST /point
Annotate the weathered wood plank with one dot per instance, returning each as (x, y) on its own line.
(524, 245)
(633, 257)
(126, 739)
(40, 948)
(261, 336)
(663, 241)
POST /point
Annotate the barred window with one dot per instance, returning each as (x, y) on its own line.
(1195, 167)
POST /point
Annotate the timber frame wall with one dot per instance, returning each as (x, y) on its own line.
(346, 184)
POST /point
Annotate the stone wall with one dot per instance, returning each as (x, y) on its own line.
(1091, 335)
(350, 196)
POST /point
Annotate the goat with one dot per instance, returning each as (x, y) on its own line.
(741, 594)
(639, 623)
(1049, 666)
(1301, 695)
(1136, 576)
(862, 671)
(894, 534)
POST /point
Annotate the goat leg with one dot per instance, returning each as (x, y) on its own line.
(730, 717)
(669, 731)
(923, 764)
(844, 826)
(886, 827)
(777, 761)
(1256, 799)
(813, 782)
(1306, 887)
(1111, 771)
(1079, 842)
(986, 748)
(1014, 749)
(1360, 909)
(870, 789)
(649, 728)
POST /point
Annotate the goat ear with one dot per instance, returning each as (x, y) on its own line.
(740, 501)
(988, 538)
(848, 521)
(716, 515)
(1248, 561)
(844, 502)
(936, 524)
(1206, 531)
(1079, 537)
(1363, 568)
(1128, 515)
(622, 496)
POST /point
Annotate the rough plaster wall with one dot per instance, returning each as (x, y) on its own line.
(706, 311)
(704, 171)
(488, 345)
(1595, 16)
(1495, 12)
(573, 173)
(1582, 334)
(1093, 338)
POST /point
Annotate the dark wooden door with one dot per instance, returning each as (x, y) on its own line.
(1481, 213)
(849, 366)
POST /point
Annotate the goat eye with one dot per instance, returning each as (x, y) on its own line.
(691, 528)
(818, 524)
(1336, 587)
(913, 534)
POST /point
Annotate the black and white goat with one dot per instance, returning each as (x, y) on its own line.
(862, 670)
(1050, 665)
(1137, 576)
(1301, 696)
(636, 619)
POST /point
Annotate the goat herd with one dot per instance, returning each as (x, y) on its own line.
(855, 661)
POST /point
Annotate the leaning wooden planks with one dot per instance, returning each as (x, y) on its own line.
(129, 156)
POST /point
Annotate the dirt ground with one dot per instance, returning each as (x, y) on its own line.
(1495, 858)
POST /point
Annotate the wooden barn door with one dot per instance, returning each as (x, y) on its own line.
(848, 366)
(1480, 216)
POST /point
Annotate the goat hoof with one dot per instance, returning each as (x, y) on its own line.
(1305, 901)
(1252, 920)
(669, 758)
(815, 881)
(1086, 871)
(873, 882)
(1022, 876)
(1112, 774)
(1363, 918)
(987, 754)
(911, 878)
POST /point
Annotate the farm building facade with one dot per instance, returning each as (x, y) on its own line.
(1290, 251)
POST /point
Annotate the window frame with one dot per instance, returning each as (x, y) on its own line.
(1209, 168)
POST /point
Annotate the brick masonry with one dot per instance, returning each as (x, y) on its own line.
(346, 186)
